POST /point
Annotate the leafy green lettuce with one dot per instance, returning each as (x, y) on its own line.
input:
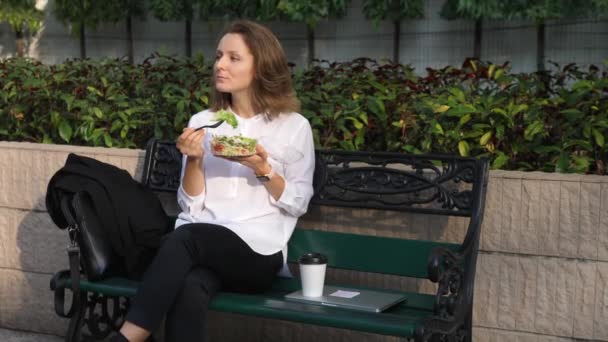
(227, 117)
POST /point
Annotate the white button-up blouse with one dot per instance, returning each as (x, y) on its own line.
(234, 198)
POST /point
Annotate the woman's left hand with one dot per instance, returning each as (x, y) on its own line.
(257, 162)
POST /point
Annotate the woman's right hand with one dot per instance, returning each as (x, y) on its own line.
(190, 143)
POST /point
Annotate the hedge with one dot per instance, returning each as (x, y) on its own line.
(555, 121)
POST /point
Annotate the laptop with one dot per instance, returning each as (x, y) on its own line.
(355, 299)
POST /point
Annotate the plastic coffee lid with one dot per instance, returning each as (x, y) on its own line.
(313, 259)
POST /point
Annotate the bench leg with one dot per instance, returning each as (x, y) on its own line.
(77, 320)
(468, 327)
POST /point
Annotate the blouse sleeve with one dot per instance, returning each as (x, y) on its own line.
(298, 175)
(190, 205)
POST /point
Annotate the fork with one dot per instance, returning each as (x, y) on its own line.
(211, 126)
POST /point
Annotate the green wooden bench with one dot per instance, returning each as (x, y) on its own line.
(426, 184)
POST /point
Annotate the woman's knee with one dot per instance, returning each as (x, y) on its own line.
(180, 236)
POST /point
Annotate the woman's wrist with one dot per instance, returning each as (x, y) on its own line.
(263, 169)
(195, 160)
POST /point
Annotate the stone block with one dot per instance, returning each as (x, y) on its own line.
(545, 338)
(569, 212)
(527, 271)
(508, 292)
(600, 321)
(545, 297)
(29, 176)
(27, 168)
(487, 287)
(549, 218)
(454, 230)
(555, 296)
(589, 220)
(565, 293)
(30, 241)
(511, 207)
(530, 206)
(584, 299)
(27, 303)
(602, 236)
(492, 221)
(482, 334)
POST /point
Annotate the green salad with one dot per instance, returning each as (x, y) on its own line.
(233, 146)
(227, 117)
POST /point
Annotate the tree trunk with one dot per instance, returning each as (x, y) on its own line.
(478, 38)
(396, 40)
(540, 45)
(130, 39)
(310, 37)
(189, 38)
(83, 46)
(20, 43)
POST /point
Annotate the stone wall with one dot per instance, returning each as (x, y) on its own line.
(542, 271)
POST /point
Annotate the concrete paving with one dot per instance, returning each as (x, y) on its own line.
(7, 335)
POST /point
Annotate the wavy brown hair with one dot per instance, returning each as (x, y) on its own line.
(272, 91)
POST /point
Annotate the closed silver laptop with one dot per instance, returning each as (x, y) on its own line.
(347, 298)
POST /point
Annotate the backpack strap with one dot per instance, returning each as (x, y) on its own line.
(74, 257)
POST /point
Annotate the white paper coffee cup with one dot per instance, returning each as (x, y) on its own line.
(312, 274)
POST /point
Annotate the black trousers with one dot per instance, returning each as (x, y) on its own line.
(192, 264)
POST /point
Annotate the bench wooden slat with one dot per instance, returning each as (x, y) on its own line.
(366, 253)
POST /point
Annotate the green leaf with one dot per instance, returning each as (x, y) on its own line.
(69, 101)
(563, 163)
(441, 109)
(436, 128)
(377, 107)
(107, 139)
(499, 111)
(461, 110)
(485, 138)
(533, 129)
(97, 111)
(500, 131)
(181, 105)
(55, 118)
(500, 161)
(65, 131)
(583, 85)
(458, 94)
(124, 131)
(116, 124)
(463, 148)
(491, 69)
(520, 108)
(498, 73)
(378, 86)
(580, 164)
(94, 90)
(546, 149)
(411, 149)
(579, 143)
(599, 137)
(573, 114)
(464, 119)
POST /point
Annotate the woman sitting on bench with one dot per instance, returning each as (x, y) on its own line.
(238, 213)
